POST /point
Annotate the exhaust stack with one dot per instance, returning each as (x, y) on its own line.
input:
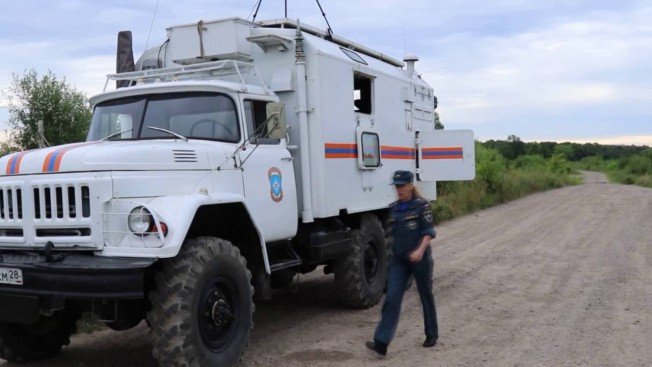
(124, 57)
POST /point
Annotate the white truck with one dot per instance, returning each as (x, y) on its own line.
(230, 157)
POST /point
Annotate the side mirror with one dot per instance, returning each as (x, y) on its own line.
(276, 124)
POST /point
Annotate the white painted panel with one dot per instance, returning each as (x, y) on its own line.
(446, 155)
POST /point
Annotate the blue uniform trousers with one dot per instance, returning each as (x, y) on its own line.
(399, 272)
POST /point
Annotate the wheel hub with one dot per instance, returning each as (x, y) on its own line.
(221, 313)
(217, 320)
(370, 262)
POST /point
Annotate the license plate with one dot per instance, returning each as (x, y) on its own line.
(11, 276)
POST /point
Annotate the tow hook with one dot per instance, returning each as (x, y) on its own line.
(49, 256)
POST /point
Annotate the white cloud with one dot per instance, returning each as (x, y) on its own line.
(493, 64)
(572, 63)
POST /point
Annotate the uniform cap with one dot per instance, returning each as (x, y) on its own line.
(402, 177)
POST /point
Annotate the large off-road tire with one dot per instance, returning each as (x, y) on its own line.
(44, 339)
(361, 275)
(202, 307)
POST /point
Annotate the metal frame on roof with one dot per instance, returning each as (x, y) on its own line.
(292, 24)
(209, 69)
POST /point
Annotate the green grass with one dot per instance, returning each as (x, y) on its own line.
(499, 180)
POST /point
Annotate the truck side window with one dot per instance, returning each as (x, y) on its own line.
(362, 95)
(255, 116)
(370, 149)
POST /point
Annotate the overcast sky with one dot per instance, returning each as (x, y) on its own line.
(542, 70)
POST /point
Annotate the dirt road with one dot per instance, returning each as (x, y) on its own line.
(560, 278)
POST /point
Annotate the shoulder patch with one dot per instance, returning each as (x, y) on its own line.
(428, 217)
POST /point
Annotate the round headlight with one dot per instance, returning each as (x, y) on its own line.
(140, 220)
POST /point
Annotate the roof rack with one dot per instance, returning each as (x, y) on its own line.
(293, 23)
(235, 71)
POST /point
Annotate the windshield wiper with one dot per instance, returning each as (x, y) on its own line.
(169, 132)
(115, 134)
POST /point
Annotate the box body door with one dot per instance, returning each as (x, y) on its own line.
(446, 155)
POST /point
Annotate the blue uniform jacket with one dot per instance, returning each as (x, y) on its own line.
(411, 220)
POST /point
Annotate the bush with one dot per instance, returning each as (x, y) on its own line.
(489, 166)
(593, 163)
(498, 180)
(558, 164)
(638, 165)
(645, 181)
(530, 162)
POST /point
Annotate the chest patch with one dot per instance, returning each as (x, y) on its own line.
(412, 224)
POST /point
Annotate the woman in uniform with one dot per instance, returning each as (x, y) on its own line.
(412, 229)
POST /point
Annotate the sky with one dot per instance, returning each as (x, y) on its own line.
(550, 70)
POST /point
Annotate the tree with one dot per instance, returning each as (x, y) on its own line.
(64, 110)
(438, 124)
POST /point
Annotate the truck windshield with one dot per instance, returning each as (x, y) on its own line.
(209, 116)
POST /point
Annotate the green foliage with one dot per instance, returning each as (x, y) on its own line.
(564, 150)
(65, 111)
(513, 147)
(530, 162)
(438, 124)
(593, 163)
(510, 149)
(499, 180)
(489, 165)
(632, 170)
(558, 164)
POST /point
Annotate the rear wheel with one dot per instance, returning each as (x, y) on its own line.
(361, 275)
(44, 339)
(203, 306)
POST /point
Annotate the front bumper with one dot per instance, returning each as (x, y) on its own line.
(76, 276)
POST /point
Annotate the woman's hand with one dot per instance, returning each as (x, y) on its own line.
(416, 255)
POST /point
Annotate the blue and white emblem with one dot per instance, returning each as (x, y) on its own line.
(275, 184)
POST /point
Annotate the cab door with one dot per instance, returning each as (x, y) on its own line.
(268, 177)
(446, 155)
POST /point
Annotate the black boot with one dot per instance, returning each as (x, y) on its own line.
(379, 348)
(430, 342)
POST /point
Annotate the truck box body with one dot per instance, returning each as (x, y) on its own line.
(401, 111)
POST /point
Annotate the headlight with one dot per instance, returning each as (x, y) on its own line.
(140, 221)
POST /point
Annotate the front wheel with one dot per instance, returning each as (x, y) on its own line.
(202, 308)
(361, 275)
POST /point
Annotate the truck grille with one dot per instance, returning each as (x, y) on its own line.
(64, 209)
(11, 203)
(68, 202)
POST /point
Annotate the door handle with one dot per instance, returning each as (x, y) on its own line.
(287, 159)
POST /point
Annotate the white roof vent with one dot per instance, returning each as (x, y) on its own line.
(410, 59)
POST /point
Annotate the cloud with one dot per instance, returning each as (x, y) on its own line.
(567, 70)
(553, 68)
